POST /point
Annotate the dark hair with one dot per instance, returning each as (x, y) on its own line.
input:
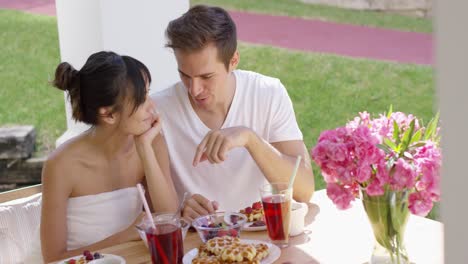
(106, 79)
(202, 25)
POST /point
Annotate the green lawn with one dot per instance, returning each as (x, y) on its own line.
(326, 13)
(326, 90)
(29, 56)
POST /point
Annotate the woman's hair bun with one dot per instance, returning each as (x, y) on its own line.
(65, 77)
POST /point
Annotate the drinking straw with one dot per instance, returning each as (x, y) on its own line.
(181, 205)
(293, 176)
(145, 205)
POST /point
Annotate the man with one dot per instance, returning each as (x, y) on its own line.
(228, 131)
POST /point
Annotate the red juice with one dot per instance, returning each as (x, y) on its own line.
(277, 215)
(165, 244)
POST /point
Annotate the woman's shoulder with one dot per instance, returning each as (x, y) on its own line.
(68, 156)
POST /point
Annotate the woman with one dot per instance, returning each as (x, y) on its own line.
(89, 196)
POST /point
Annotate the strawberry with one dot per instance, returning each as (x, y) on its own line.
(257, 205)
(223, 233)
(248, 210)
(234, 233)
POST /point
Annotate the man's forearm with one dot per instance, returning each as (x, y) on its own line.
(278, 166)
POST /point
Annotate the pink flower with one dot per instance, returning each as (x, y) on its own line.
(365, 152)
(428, 161)
(375, 188)
(403, 176)
(341, 196)
(420, 203)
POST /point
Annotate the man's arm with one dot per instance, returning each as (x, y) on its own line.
(277, 161)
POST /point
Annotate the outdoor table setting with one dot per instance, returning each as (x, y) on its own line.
(377, 171)
(330, 236)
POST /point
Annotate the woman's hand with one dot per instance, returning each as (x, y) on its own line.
(146, 139)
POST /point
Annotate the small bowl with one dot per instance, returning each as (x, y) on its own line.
(214, 225)
(145, 224)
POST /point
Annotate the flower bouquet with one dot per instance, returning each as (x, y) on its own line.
(393, 162)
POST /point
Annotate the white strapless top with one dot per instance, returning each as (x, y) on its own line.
(93, 218)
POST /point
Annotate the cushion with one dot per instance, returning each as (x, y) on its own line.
(19, 221)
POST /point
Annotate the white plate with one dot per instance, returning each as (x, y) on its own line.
(106, 259)
(247, 227)
(274, 252)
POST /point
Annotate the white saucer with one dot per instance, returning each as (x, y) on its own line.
(249, 228)
(106, 259)
(274, 252)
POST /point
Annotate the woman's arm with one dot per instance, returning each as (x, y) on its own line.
(56, 188)
(153, 153)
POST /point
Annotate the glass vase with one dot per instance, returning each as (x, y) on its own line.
(388, 215)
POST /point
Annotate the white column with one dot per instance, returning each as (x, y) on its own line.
(452, 81)
(134, 28)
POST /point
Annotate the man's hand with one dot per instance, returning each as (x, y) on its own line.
(217, 143)
(197, 206)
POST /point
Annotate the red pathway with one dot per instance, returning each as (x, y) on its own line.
(306, 35)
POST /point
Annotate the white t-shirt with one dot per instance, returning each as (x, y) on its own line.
(260, 103)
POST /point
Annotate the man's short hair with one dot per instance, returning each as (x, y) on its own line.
(202, 25)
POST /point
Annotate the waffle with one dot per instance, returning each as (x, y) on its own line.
(229, 250)
(239, 253)
(203, 251)
(255, 215)
(262, 252)
(217, 245)
(206, 260)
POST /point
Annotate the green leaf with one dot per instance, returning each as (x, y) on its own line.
(396, 133)
(385, 148)
(390, 111)
(432, 127)
(408, 155)
(390, 163)
(416, 137)
(418, 144)
(407, 138)
(390, 143)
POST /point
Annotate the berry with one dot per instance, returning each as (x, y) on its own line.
(248, 210)
(223, 233)
(258, 223)
(97, 255)
(234, 232)
(257, 205)
(234, 219)
(71, 261)
(86, 252)
(89, 257)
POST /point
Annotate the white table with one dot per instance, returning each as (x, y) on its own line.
(331, 237)
(345, 236)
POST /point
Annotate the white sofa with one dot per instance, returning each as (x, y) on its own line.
(20, 212)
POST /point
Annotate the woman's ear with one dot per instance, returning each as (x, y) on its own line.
(234, 61)
(107, 115)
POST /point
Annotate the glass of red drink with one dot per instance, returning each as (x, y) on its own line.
(165, 241)
(276, 200)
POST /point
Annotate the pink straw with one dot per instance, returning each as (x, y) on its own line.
(145, 205)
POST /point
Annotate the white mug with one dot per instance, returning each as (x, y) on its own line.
(298, 213)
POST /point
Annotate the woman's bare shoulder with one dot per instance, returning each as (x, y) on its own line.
(68, 157)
